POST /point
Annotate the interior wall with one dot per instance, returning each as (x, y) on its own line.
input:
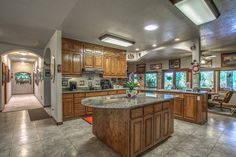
(26, 88)
(39, 89)
(47, 79)
(54, 45)
(5, 59)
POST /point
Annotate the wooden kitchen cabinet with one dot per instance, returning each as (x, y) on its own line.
(98, 61)
(166, 123)
(107, 67)
(148, 129)
(136, 136)
(190, 107)
(66, 62)
(179, 107)
(68, 106)
(157, 127)
(76, 63)
(93, 56)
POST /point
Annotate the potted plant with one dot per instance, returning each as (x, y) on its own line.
(131, 92)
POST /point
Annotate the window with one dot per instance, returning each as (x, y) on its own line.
(228, 80)
(135, 78)
(181, 80)
(207, 79)
(151, 79)
(168, 80)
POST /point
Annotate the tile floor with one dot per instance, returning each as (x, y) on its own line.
(19, 137)
(22, 102)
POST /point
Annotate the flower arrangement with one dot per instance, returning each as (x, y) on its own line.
(131, 85)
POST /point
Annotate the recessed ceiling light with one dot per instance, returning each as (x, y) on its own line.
(177, 39)
(151, 27)
(154, 45)
(116, 40)
(137, 49)
(23, 58)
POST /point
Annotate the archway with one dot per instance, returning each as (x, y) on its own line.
(22, 71)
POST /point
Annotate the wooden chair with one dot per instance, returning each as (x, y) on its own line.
(223, 99)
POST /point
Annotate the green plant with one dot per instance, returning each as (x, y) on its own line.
(131, 85)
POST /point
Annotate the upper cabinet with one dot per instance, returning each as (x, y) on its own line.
(71, 57)
(93, 56)
(77, 55)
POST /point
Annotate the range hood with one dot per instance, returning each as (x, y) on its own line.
(92, 70)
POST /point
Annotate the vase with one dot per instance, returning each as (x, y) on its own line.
(131, 93)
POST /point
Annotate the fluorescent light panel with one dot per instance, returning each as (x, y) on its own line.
(116, 40)
(198, 11)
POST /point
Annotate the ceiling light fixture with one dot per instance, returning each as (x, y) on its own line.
(199, 12)
(154, 45)
(23, 59)
(137, 49)
(150, 27)
(116, 40)
(177, 39)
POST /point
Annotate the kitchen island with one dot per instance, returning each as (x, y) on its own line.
(188, 105)
(130, 126)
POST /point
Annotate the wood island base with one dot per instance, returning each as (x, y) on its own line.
(131, 132)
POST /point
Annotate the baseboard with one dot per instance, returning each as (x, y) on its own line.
(58, 123)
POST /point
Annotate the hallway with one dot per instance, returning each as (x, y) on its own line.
(22, 102)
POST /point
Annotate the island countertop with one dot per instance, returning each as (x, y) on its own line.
(122, 102)
(64, 91)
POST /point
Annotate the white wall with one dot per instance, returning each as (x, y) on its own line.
(54, 45)
(5, 59)
(26, 88)
(39, 89)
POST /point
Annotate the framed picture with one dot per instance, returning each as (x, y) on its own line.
(208, 64)
(3, 73)
(141, 68)
(228, 59)
(131, 56)
(174, 64)
(156, 66)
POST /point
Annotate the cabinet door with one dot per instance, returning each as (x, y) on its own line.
(148, 132)
(107, 66)
(88, 60)
(76, 63)
(66, 62)
(98, 61)
(79, 109)
(178, 107)
(68, 108)
(166, 123)
(113, 65)
(88, 55)
(158, 127)
(190, 107)
(136, 136)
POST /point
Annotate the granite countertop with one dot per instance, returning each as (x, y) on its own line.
(64, 91)
(174, 91)
(122, 102)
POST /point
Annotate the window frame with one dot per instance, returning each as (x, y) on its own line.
(156, 79)
(188, 76)
(214, 78)
(219, 89)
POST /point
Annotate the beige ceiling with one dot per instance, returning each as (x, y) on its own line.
(25, 56)
(31, 23)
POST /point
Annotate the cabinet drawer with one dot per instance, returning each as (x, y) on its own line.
(112, 92)
(135, 113)
(121, 92)
(79, 95)
(148, 110)
(166, 105)
(158, 107)
(79, 107)
(66, 96)
(96, 94)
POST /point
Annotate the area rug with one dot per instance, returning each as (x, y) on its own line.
(38, 114)
(88, 119)
(226, 111)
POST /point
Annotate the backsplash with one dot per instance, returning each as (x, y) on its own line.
(82, 81)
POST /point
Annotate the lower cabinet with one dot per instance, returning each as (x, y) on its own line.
(150, 129)
(190, 107)
(73, 108)
(68, 108)
(178, 107)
